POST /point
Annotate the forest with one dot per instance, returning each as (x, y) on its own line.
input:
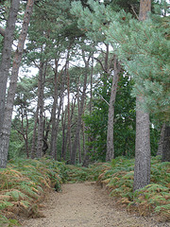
(85, 88)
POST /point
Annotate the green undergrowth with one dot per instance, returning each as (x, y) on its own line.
(24, 183)
(80, 174)
(118, 177)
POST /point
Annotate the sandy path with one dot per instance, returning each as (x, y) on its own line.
(85, 205)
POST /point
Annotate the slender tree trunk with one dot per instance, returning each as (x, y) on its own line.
(142, 146)
(68, 107)
(41, 80)
(26, 137)
(45, 139)
(75, 144)
(110, 142)
(64, 138)
(6, 55)
(6, 128)
(84, 140)
(78, 138)
(166, 145)
(33, 148)
(86, 159)
(58, 118)
(161, 140)
(24, 132)
(53, 114)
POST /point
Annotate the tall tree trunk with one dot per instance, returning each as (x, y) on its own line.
(64, 138)
(68, 107)
(53, 114)
(75, 144)
(41, 80)
(6, 128)
(58, 118)
(6, 55)
(84, 140)
(33, 147)
(161, 140)
(142, 146)
(26, 138)
(46, 133)
(78, 136)
(86, 158)
(110, 142)
(166, 145)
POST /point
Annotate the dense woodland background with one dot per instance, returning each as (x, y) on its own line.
(81, 68)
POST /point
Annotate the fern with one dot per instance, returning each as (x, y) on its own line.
(163, 208)
(4, 204)
(16, 195)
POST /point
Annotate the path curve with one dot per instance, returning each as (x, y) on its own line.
(85, 205)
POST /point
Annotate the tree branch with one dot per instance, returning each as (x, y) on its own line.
(100, 64)
(134, 12)
(2, 31)
(103, 99)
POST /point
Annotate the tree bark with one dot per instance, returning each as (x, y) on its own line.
(8, 34)
(161, 140)
(58, 118)
(142, 146)
(64, 138)
(53, 114)
(166, 145)
(6, 128)
(41, 80)
(110, 142)
(2, 31)
(75, 144)
(68, 107)
(33, 147)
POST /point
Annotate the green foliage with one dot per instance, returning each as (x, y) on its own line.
(24, 182)
(154, 198)
(150, 52)
(142, 47)
(76, 174)
(124, 126)
(8, 222)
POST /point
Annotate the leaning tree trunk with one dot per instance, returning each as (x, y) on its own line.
(8, 34)
(110, 142)
(142, 146)
(6, 128)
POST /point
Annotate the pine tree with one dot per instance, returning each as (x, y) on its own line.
(5, 64)
(6, 128)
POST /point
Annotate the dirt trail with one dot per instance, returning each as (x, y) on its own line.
(85, 205)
